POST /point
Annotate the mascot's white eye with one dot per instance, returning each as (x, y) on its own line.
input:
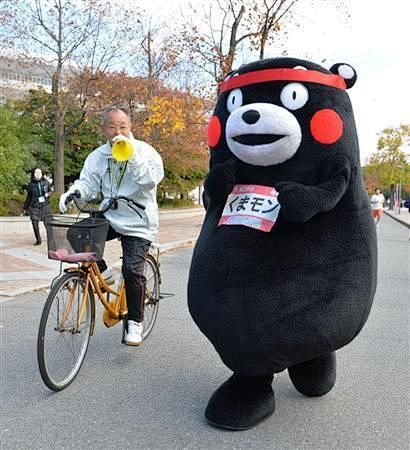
(234, 100)
(294, 96)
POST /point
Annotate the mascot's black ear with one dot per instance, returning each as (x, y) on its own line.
(346, 72)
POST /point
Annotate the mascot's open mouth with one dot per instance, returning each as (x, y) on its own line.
(257, 139)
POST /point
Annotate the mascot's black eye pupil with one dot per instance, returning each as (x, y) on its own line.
(294, 95)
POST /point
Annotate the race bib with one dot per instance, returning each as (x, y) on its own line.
(41, 199)
(252, 206)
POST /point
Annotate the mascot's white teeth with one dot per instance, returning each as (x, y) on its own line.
(257, 139)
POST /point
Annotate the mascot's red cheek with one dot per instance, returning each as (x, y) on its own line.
(326, 126)
(214, 131)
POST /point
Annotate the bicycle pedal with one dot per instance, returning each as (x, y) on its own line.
(110, 321)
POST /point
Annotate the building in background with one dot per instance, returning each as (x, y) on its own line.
(18, 76)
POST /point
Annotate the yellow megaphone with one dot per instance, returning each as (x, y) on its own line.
(122, 149)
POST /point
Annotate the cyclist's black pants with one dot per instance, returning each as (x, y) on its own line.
(134, 252)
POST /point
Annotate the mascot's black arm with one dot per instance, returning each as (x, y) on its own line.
(221, 180)
(299, 203)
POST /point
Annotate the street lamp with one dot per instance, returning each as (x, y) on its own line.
(399, 193)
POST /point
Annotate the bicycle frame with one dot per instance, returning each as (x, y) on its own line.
(94, 278)
(117, 310)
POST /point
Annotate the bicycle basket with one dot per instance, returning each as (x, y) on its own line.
(73, 240)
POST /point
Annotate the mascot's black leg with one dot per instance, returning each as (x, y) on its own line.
(241, 402)
(315, 377)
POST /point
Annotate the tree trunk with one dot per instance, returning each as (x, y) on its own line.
(233, 43)
(59, 136)
(59, 139)
(59, 114)
(262, 49)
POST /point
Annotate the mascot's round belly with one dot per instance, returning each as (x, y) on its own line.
(268, 301)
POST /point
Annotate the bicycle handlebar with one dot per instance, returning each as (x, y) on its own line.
(112, 203)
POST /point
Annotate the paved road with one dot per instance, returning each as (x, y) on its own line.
(153, 397)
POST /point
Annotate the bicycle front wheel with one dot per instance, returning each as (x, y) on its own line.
(151, 303)
(65, 328)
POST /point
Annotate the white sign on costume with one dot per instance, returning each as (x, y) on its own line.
(252, 206)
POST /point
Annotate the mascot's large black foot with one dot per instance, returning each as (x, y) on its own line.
(315, 377)
(241, 402)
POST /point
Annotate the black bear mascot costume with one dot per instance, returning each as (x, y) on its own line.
(284, 271)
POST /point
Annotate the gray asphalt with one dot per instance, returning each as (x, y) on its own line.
(153, 397)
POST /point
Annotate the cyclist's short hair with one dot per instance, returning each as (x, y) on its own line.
(109, 110)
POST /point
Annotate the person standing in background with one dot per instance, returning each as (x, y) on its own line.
(377, 202)
(38, 201)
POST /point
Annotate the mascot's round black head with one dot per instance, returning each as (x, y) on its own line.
(275, 111)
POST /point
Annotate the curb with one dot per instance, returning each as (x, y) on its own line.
(164, 248)
(22, 224)
(397, 219)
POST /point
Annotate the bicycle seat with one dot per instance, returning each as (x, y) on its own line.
(63, 255)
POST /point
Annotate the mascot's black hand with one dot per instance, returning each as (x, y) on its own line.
(300, 203)
(221, 180)
(297, 201)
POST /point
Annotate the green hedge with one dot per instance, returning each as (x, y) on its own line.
(13, 205)
(175, 203)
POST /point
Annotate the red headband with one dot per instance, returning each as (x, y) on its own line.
(263, 76)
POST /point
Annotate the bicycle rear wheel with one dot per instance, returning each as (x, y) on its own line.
(63, 336)
(151, 305)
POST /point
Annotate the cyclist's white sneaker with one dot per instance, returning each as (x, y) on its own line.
(134, 334)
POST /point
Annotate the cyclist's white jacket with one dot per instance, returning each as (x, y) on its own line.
(139, 179)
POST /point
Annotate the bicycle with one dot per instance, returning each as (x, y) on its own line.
(68, 317)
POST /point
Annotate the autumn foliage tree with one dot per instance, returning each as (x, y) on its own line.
(172, 121)
(176, 127)
(157, 56)
(214, 44)
(390, 164)
(115, 88)
(77, 42)
(68, 37)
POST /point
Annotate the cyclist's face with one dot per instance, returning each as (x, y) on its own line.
(117, 124)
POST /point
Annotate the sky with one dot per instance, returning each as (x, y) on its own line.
(374, 40)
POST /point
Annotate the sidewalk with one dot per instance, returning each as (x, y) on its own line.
(25, 268)
(403, 216)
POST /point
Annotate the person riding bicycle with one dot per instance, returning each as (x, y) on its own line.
(136, 179)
